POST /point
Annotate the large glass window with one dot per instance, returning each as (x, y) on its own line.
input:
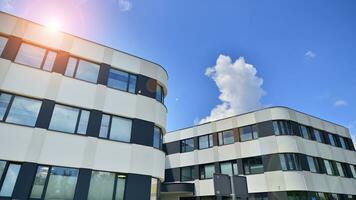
(282, 128)
(61, 183)
(154, 189)
(229, 168)
(305, 132)
(3, 41)
(187, 145)
(342, 142)
(317, 135)
(253, 165)
(248, 133)
(186, 173)
(289, 161)
(40, 181)
(330, 168)
(69, 119)
(8, 179)
(122, 80)
(226, 137)
(4, 104)
(205, 141)
(331, 139)
(102, 186)
(36, 57)
(157, 138)
(207, 171)
(313, 164)
(82, 69)
(340, 169)
(159, 93)
(116, 128)
(24, 111)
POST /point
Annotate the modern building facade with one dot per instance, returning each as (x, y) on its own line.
(78, 120)
(283, 153)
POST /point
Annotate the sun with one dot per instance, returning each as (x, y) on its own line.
(53, 25)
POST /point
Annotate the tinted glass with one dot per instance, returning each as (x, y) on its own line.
(283, 162)
(4, 103)
(87, 71)
(187, 145)
(30, 55)
(331, 139)
(83, 122)
(159, 93)
(101, 185)
(353, 170)
(2, 167)
(120, 129)
(342, 142)
(311, 164)
(120, 187)
(305, 132)
(340, 169)
(104, 126)
(157, 138)
(71, 65)
(118, 79)
(49, 62)
(10, 180)
(39, 183)
(328, 167)
(205, 141)
(154, 187)
(64, 118)
(61, 184)
(3, 41)
(226, 168)
(246, 133)
(186, 174)
(317, 135)
(24, 111)
(226, 137)
(209, 171)
(132, 83)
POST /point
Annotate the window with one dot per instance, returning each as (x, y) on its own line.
(289, 161)
(248, 133)
(23, 110)
(313, 164)
(122, 80)
(8, 176)
(330, 169)
(157, 138)
(258, 196)
(4, 104)
(317, 135)
(3, 41)
(54, 183)
(186, 173)
(331, 139)
(103, 185)
(159, 93)
(297, 195)
(154, 189)
(207, 171)
(116, 128)
(229, 168)
(82, 69)
(340, 169)
(282, 128)
(305, 132)
(69, 119)
(352, 167)
(205, 141)
(36, 57)
(342, 142)
(187, 145)
(253, 165)
(226, 137)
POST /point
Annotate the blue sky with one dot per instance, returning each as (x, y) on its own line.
(304, 51)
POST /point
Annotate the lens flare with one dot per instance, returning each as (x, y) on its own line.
(53, 25)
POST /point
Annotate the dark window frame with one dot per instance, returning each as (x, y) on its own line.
(209, 145)
(109, 128)
(161, 100)
(78, 59)
(182, 145)
(248, 162)
(203, 172)
(191, 171)
(2, 178)
(253, 131)
(221, 142)
(160, 138)
(128, 80)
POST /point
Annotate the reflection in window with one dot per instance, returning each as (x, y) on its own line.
(331, 139)
(101, 185)
(342, 142)
(122, 80)
(4, 104)
(159, 93)
(340, 169)
(40, 181)
(353, 170)
(3, 41)
(61, 183)
(154, 189)
(36, 57)
(229, 168)
(282, 128)
(24, 111)
(120, 129)
(83, 122)
(187, 145)
(248, 133)
(313, 164)
(157, 138)
(330, 169)
(64, 118)
(253, 165)
(317, 135)
(9, 180)
(82, 69)
(207, 171)
(186, 173)
(120, 187)
(305, 131)
(205, 141)
(226, 137)
(104, 126)
(289, 161)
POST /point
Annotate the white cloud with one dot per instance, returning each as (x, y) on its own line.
(310, 54)
(340, 103)
(124, 5)
(6, 5)
(240, 88)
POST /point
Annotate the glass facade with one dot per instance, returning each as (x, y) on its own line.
(186, 173)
